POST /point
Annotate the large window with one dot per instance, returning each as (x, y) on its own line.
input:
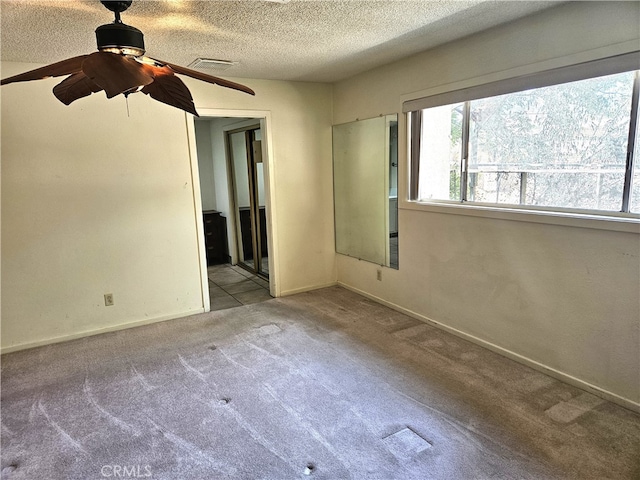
(565, 146)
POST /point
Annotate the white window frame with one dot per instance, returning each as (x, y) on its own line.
(618, 221)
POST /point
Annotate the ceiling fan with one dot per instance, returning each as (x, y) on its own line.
(120, 66)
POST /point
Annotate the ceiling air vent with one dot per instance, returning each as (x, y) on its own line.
(212, 64)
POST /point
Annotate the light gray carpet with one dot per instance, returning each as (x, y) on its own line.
(325, 383)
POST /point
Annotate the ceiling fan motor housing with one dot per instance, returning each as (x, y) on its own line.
(117, 5)
(120, 36)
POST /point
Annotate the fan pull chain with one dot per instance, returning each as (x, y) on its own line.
(126, 99)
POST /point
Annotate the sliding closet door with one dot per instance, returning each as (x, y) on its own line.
(248, 185)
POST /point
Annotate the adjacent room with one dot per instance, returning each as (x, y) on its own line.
(330, 239)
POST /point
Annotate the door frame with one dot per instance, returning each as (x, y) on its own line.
(264, 119)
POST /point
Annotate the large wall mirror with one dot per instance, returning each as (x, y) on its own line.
(365, 177)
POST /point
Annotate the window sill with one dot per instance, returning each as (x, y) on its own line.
(617, 223)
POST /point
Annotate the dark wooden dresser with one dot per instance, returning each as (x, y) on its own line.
(215, 237)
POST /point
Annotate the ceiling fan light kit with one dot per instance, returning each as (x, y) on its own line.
(120, 67)
(120, 38)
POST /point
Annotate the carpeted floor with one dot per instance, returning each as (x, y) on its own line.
(321, 385)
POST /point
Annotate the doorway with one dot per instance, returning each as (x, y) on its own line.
(232, 170)
(244, 155)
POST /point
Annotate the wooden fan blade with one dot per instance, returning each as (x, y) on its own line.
(115, 73)
(74, 87)
(65, 67)
(169, 89)
(207, 78)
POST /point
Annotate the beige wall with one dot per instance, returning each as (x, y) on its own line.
(561, 298)
(204, 148)
(95, 201)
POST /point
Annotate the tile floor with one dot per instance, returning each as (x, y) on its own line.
(231, 286)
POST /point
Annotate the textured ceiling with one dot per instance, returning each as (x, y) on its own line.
(321, 41)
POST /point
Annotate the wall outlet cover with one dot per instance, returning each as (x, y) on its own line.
(108, 299)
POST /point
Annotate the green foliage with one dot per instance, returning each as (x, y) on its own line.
(570, 138)
(456, 126)
(454, 185)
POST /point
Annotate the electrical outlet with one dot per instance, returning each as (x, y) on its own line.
(108, 299)
(379, 274)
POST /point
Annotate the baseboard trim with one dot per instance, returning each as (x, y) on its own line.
(566, 378)
(98, 331)
(308, 288)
